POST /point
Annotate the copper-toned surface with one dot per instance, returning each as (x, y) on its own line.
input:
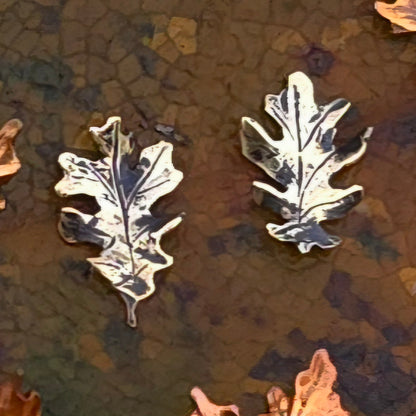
(237, 312)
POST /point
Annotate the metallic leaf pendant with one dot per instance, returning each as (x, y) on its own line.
(124, 226)
(9, 163)
(302, 163)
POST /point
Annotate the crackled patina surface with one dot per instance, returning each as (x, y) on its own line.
(238, 312)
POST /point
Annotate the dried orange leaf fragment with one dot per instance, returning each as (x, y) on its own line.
(15, 403)
(207, 408)
(9, 163)
(314, 395)
(401, 14)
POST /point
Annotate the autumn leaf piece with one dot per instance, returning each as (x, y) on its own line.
(402, 14)
(124, 226)
(15, 403)
(207, 408)
(314, 394)
(9, 163)
(302, 163)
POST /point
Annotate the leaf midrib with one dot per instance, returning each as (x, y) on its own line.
(125, 203)
(301, 192)
(116, 177)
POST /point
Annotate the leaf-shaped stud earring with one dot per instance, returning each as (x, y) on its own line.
(124, 226)
(302, 163)
(9, 163)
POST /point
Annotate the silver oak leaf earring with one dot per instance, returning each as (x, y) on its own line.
(124, 226)
(302, 163)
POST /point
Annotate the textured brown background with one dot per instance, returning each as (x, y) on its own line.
(238, 311)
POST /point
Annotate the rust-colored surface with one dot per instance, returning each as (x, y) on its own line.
(15, 403)
(402, 14)
(9, 163)
(238, 311)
